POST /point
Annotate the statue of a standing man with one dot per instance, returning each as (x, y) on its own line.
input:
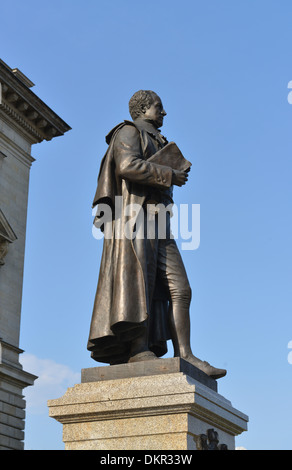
(143, 294)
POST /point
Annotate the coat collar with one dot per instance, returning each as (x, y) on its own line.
(147, 126)
(141, 125)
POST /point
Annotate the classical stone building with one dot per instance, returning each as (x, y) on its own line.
(24, 120)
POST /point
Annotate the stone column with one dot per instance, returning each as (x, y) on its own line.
(165, 404)
(24, 120)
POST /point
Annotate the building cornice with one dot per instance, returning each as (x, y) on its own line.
(26, 109)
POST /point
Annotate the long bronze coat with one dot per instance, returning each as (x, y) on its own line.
(121, 306)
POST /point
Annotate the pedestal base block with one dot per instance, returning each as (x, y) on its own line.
(163, 411)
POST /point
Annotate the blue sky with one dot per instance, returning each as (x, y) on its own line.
(222, 70)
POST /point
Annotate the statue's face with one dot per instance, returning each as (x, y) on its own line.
(155, 113)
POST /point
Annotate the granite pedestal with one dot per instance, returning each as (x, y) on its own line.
(165, 404)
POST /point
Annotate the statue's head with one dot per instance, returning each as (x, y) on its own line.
(147, 105)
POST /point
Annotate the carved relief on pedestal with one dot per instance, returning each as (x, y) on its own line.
(210, 441)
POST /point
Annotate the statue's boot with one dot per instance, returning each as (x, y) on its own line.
(143, 356)
(180, 332)
(204, 366)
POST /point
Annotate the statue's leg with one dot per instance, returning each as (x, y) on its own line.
(172, 271)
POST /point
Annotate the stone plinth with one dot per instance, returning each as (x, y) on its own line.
(163, 410)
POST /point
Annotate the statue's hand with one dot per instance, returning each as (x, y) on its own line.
(179, 178)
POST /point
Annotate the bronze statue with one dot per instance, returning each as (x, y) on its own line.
(143, 293)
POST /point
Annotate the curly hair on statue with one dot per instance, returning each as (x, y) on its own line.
(140, 100)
